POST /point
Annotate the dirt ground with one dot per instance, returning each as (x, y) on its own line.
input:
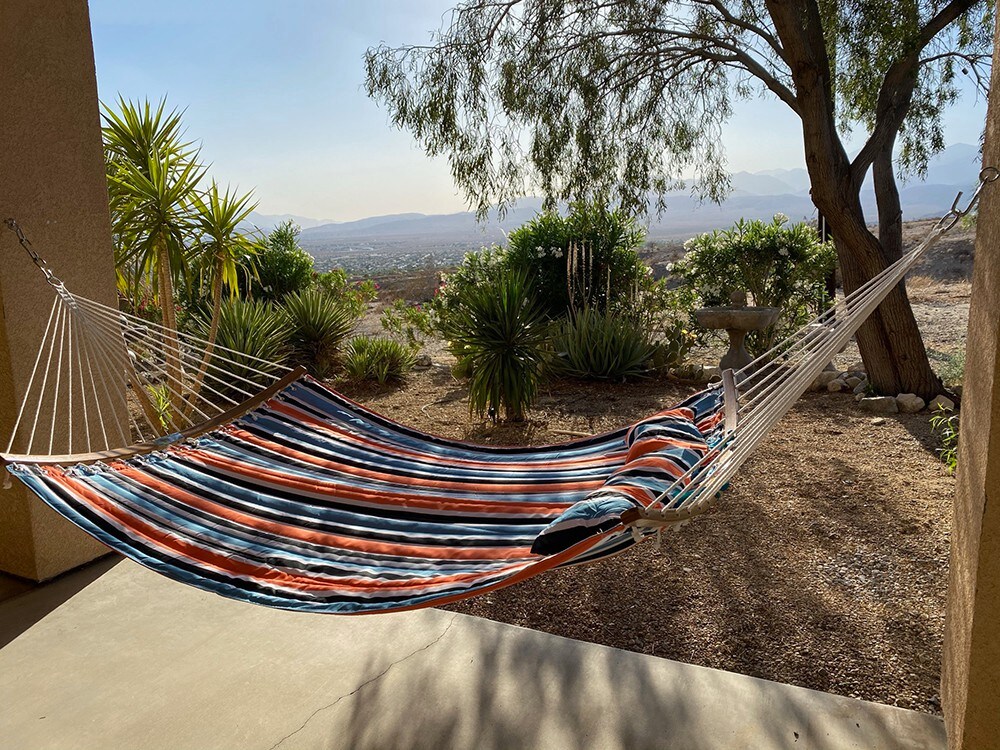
(825, 564)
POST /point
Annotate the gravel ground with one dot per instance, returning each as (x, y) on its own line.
(824, 565)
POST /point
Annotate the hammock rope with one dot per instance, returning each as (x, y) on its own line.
(246, 478)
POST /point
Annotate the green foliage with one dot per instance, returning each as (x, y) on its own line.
(603, 345)
(153, 176)
(253, 335)
(475, 270)
(778, 265)
(377, 358)
(587, 258)
(673, 348)
(317, 325)
(354, 295)
(950, 366)
(945, 424)
(281, 266)
(499, 332)
(223, 253)
(409, 323)
(159, 397)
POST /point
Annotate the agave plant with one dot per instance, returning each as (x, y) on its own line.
(603, 345)
(499, 330)
(252, 336)
(377, 358)
(317, 326)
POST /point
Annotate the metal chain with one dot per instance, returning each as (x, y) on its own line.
(37, 259)
(955, 214)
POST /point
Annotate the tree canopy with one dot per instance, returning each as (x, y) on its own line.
(616, 99)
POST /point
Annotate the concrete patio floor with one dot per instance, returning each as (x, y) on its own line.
(114, 656)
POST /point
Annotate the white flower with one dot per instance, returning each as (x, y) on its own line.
(558, 252)
(688, 244)
(670, 267)
(780, 218)
(783, 252)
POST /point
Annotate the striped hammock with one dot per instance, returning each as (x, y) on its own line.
(311, 502)
(261, 484)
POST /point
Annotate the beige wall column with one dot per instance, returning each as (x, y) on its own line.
(52, 182)
(971, 670)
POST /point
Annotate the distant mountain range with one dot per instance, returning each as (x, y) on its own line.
(758, 195)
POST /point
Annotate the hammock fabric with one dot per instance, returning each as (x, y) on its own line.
(310, 502)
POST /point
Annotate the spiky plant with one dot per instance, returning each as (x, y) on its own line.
(499, 330)
(603, 345)
(377, 358)
(317, 326)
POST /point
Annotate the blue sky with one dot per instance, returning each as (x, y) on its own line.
(274, 92)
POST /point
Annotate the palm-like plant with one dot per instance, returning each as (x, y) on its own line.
(152, 178)
(222, 249)
(499, 330)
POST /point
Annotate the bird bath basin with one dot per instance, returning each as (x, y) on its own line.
(737, 320)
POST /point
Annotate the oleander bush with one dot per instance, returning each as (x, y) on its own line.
(778, 264)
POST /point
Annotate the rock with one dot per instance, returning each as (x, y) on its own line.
(861, 387)
(824, 379)
(858, 396)
(857, 367)
(878, 421)
(853, 382)
(879, 405)
(687, 372)
(836, 386)
(711, 373)
(941, 403)
(422, 362)
(909, 403)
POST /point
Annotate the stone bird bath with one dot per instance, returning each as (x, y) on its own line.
(737, 320)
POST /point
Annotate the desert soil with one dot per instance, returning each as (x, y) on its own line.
(825, 564)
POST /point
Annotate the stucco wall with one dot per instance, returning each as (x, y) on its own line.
(971, 670)
(52, 182)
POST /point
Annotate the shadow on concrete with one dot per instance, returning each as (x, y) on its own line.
(21, 612)
(527, 692)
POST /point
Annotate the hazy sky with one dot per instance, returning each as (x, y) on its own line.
(274, 92)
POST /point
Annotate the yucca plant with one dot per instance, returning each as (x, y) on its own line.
(152, 177)
(256, 330)
(317, 326)
(499, 330)
(377, 358)
(603, 345)
(222, 250)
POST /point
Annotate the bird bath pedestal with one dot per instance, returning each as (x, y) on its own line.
(737, 320)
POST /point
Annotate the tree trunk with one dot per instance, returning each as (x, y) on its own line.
(890, 341)
(171, 346)
(213, 330)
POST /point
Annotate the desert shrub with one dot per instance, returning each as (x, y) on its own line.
(281, 266)
(377, 358)
(409, 323)
(318, 323)
(778, 265)
(945, 424)
(353, 294)
(475, 270)
(499, 332)
(587, 258)
(950, 366)
(592, 343)
(159, 399)
(253, 334)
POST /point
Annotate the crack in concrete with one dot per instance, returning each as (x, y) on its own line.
(366, 683)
